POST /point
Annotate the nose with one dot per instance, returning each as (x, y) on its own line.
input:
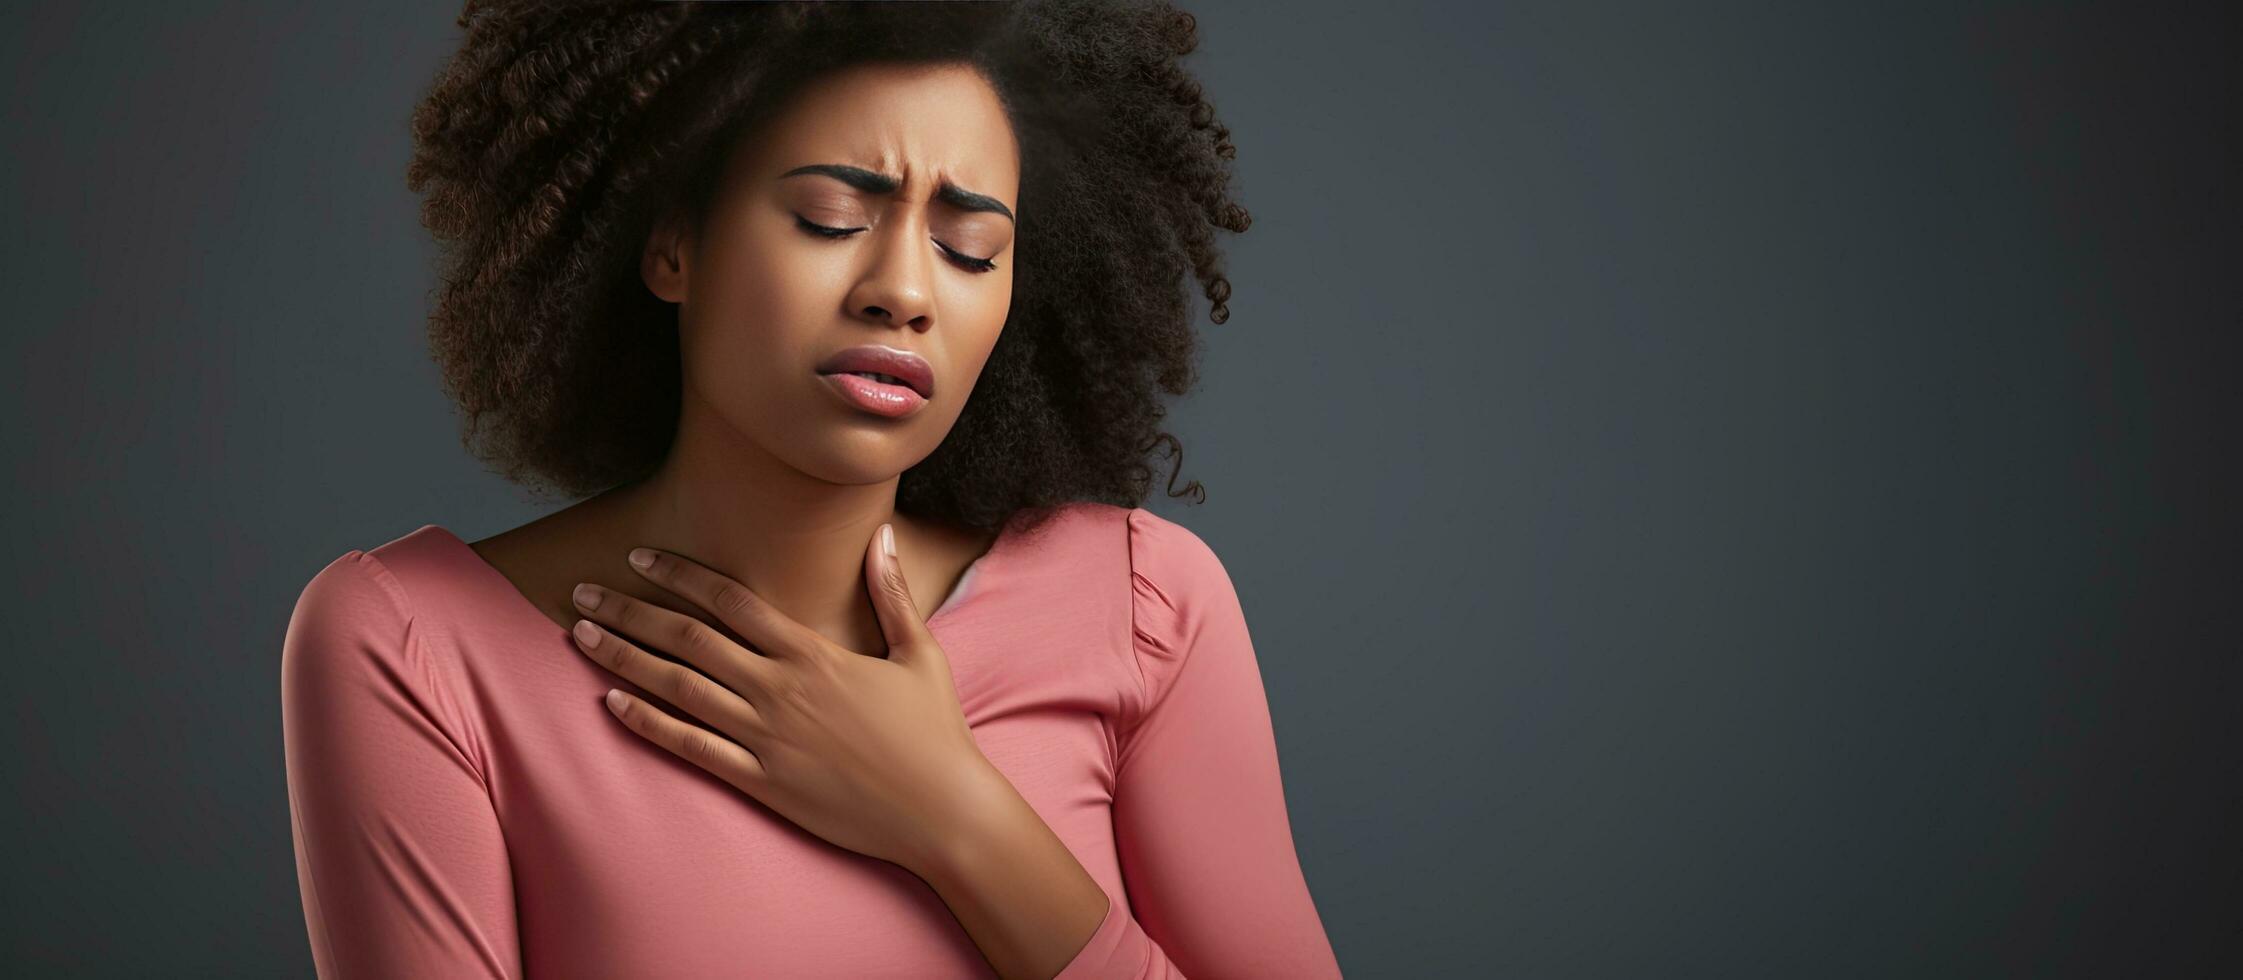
(897, 287)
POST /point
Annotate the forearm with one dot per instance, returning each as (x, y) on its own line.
(1011, 882)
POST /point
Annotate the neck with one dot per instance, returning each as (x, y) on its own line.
(797, 541)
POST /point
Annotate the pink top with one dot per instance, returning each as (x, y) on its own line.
(464, 806)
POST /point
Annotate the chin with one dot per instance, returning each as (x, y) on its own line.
(852, 455)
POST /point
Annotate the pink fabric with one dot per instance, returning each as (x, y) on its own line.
(464, 806)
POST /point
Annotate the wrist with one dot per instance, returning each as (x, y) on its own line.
(974, 825)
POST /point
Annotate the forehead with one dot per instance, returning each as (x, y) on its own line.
(924, 123)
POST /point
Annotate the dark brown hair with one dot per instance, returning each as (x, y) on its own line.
(559, 133)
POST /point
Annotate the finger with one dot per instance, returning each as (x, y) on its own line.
(689, 639)
(891, 596)
(770, 631)
(683, 687)
(725, 759)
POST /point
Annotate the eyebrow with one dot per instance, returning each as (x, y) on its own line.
(877, 183)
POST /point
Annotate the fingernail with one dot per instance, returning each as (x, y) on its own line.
(587, 596)
(615, 700)
(888, 539)
(586, 633)
(642, 557)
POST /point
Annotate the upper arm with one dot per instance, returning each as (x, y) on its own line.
(1205, 843)
(399, 854)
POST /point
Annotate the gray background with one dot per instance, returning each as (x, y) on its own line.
(1736, 491)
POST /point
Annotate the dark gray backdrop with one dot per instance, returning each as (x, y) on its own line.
(1732, 491)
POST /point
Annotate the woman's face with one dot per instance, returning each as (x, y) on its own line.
(765, 299)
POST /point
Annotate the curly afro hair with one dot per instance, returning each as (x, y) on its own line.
(558, 133)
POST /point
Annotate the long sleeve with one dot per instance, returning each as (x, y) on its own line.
(399, 855)
(1206, 847)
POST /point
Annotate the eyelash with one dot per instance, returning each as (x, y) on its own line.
(972, 264)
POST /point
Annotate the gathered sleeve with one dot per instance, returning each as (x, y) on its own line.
(399, 856)
(1206, 848)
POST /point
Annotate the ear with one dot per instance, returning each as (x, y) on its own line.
(664, 265)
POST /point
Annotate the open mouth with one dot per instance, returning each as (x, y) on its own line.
(872, 391)
(881, 364)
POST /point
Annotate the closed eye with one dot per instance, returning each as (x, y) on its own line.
(971, 263)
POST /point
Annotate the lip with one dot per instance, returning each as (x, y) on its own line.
(903, 364)
(879, 398)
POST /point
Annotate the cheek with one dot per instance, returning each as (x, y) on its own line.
(986, 318)
(755, 316)
(969, 349)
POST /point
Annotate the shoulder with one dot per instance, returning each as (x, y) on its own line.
(1177, 579)
(1171, 571)
(351, 628)
(385, 570)
(1166, 561)
(365, 598)
(1177, 586)
(358, 656)
(354, 592)
(1162, 551)
(1146, 535)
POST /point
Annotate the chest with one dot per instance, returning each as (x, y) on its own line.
(629, 861)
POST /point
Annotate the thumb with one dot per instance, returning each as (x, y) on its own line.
(891, 599)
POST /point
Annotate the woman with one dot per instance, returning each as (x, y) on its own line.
(731, 273)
